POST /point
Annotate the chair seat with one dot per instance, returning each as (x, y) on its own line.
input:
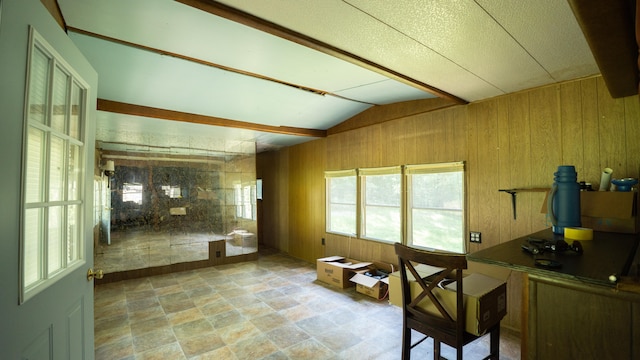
(442, 326)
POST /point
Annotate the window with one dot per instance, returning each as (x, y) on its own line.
(381, 204)
(132, 192)
(245, 201)
(425, 208)
(53, 159)
(435, 206)
(172, 191)
(341, 202)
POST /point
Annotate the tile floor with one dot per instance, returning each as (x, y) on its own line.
(272, 308)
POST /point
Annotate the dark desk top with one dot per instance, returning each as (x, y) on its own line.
(607, 254)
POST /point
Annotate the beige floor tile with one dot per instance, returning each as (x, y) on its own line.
(286, 336)
(120, 349)
(171, 351)
(223, 353)
(112, 335)
(201, 327)
(146, 314)
(309, 349)
(185, 316)
(153, 340)
(145, 326)
(201, 344)
(238, 332)
(270, 309)
(256, 348)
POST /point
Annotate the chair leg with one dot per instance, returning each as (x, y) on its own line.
(495, 342)
(436, 349)
(406, 343)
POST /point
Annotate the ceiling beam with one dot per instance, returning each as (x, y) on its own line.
(163, 114)
(198, 61)
(247, 19)
(610, 29)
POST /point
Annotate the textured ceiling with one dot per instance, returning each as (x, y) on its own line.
(169, 55)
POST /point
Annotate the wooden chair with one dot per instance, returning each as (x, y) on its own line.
(444, 327)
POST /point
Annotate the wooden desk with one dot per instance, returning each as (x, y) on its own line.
(575, 312)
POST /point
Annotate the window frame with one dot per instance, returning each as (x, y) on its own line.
(436, 168)
(328, 218)
(365, 173)
(406, 202)
(71, 201)
(244, 195)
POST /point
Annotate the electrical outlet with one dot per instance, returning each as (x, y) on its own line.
(475, 237)
(322, 241)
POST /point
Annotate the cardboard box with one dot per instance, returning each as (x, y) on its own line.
(485, 299)
(610, 211)
(375, 287)
(395, 290)
(337, 270)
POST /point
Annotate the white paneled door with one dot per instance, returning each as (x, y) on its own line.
(47, 111)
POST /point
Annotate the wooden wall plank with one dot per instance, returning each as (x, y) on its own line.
(632, 132)
(611, 131)
(520, 153)
(472, 174)
(488, 172)
(505, 201)
(546, 147)
(590, 132)
(306, 208)
(513, 141)
(459, 116)
(571, 120)
(408, 139)
(450, 141)
(334, 149)
(372, 154)
(391, 144)
(425, 139)
(440, 128)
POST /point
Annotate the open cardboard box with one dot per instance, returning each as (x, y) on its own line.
(371, 286)
(610, 211)
(485, 297)
(337, 270)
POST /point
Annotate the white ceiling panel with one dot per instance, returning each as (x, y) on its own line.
(471, 49)
(467, 48)
(144, 78)
(181, 29)
(552, 37)
(461, 32)
(359, 33)
(383, 92)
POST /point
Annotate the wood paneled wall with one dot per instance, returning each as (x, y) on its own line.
(273, 169)
(512, 141)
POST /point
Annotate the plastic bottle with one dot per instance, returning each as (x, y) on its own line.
(563, 204)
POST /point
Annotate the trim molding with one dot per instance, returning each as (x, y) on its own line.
(163, 114)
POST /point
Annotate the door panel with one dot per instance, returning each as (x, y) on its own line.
(57, 322)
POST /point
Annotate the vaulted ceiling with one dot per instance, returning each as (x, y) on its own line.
(281, 72)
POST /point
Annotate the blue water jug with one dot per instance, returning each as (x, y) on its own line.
(563, 203)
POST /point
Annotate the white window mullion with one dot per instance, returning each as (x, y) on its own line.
(44, 256)
(53, 169)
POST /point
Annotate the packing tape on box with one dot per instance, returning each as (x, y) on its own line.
(578, 233)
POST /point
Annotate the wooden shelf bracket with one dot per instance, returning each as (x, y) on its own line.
(513, 193)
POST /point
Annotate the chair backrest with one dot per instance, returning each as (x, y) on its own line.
(452, 265)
